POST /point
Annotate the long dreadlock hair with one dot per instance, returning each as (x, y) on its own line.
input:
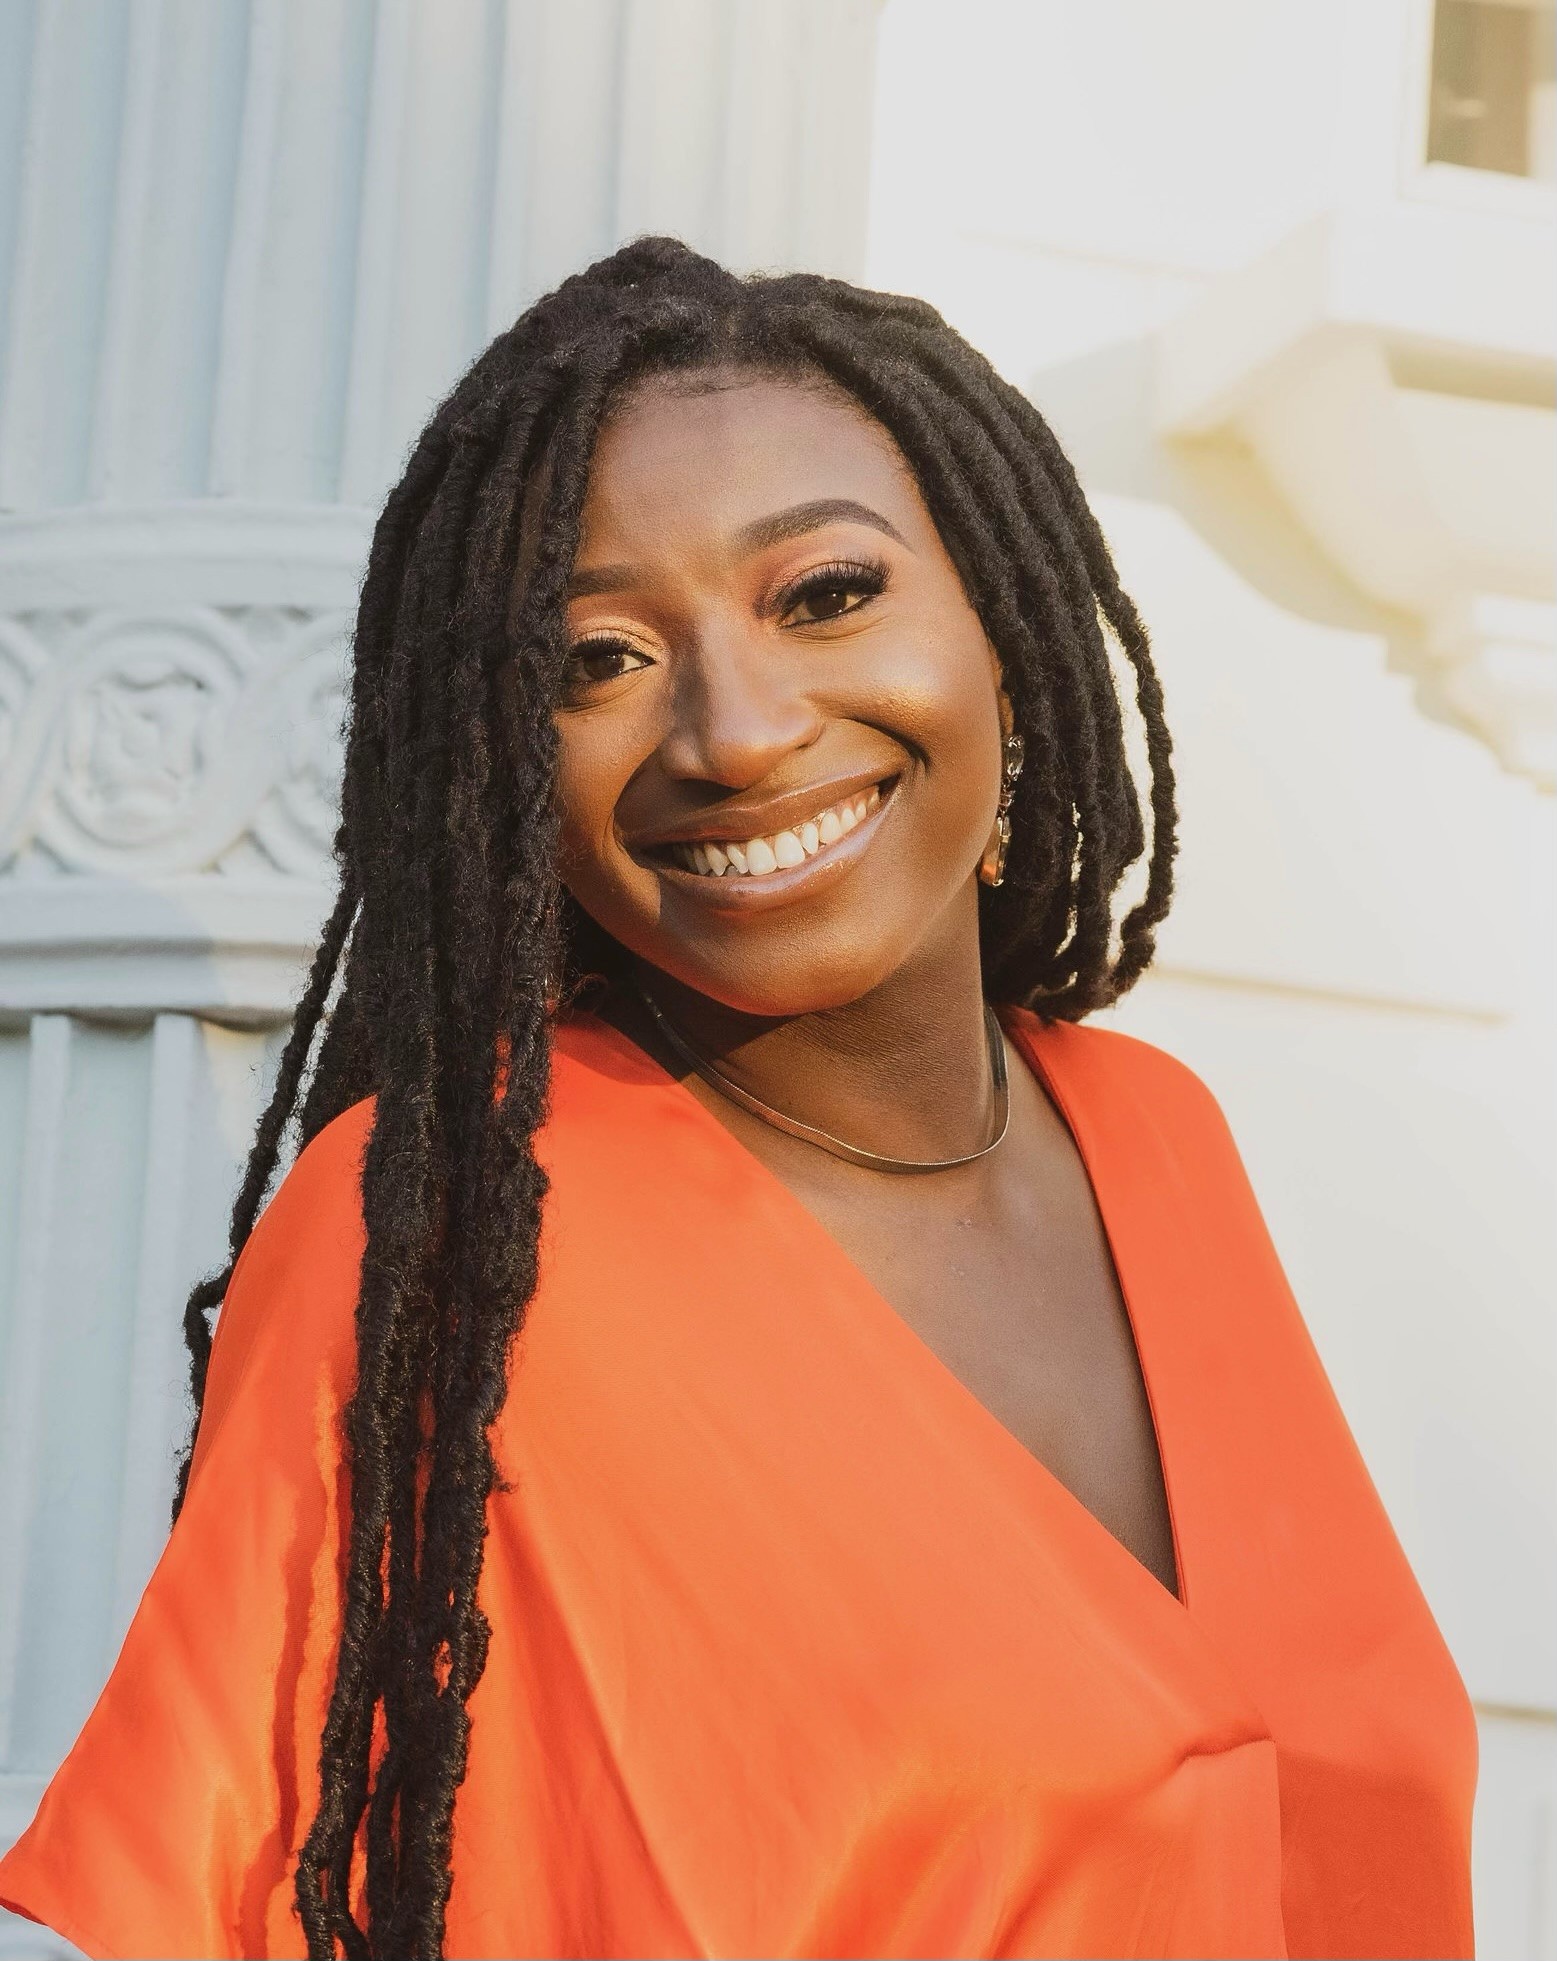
(439, 964)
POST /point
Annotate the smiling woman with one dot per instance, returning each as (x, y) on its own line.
(747, 1429)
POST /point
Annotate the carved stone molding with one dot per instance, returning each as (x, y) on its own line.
(171, 699)
(1498, 662)
(146, 742)
(1392, 373)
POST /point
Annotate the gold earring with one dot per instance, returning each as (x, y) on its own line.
(992, 866)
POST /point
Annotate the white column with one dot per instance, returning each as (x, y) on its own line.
(245, 245)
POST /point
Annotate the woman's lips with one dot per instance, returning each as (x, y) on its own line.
(784, 850)
(737, 872)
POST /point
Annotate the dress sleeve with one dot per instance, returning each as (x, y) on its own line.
(172, 1826)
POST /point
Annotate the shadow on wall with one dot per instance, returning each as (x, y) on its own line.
(1103, 408)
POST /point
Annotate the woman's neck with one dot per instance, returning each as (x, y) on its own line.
(902, 1071)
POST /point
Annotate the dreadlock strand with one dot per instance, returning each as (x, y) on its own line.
(262, 1160)
(397, 1295)
(491, 1302)
(1073, 542)
(1137, 935)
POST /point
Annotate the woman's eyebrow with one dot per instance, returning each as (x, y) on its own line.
(775, 529)
(801, 518)
(585, 581)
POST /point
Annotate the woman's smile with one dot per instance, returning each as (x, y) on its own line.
(734, 864)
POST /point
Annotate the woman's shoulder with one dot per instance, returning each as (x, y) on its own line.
(1146, 1124)
(312, 1224)
(604, 1087)
(1105, 1066)
(319, 1200)
(313, 1221)
(288, 1312)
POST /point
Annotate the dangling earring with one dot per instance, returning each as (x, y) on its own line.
(992, 867)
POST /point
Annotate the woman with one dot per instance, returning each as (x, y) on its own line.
(912, 1518)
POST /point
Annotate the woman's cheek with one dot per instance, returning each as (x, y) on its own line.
(586, 800)
(938, 697)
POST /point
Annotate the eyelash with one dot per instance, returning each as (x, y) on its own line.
(866, 578)
(595, 643)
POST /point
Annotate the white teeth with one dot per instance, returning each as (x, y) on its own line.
(758, 857)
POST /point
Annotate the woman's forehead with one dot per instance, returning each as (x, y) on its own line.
(712, 455)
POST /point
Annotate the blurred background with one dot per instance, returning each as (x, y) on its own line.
(1281, 274)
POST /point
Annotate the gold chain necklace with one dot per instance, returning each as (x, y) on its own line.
(824, 1140)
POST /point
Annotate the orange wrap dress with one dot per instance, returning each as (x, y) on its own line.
(797, 1651)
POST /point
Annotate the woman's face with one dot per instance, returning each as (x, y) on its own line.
(780, 739)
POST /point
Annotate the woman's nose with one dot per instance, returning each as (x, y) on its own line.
(738, 710)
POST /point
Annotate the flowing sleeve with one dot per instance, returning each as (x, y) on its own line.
(173, 1824)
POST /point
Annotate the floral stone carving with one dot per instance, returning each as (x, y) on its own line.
(149, 743)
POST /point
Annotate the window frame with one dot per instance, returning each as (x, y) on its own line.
(1453, 186)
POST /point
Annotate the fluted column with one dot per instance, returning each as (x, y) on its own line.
(245, 245)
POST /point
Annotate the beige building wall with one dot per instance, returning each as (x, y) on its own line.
(1203, 237)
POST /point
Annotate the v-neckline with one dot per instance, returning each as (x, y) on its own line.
(976, 1414)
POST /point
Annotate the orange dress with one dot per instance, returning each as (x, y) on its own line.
(797, 1651)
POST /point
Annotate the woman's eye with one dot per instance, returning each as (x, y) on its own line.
(594, 661)
(830, 592)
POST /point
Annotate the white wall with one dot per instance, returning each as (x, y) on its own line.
(1360, 958)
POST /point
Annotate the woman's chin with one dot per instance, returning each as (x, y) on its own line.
(781, 992)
